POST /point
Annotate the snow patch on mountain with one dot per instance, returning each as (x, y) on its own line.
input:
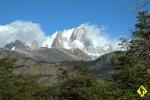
(13, 49)
(67, 33)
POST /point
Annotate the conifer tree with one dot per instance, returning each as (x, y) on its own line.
(132, 68)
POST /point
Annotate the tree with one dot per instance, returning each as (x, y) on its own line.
(17, 87)
(124, 43)
(133, 66)
(142, 27)
(141, 36)
(79, 85)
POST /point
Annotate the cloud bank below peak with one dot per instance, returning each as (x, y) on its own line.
(96, 34)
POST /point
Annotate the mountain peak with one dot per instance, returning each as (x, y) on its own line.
(78, 33)
(59, 35)
(57, 43)
(34, 45)
(82, 38)
(17, 46)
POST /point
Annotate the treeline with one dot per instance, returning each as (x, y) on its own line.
(76, 85)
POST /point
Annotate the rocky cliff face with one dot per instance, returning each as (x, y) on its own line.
(80, 39)
(57, 43)
(34, 45)
(60, 42)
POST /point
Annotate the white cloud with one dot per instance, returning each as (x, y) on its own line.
(67, 33)
(22, 30)
(49, 40)
(98, 36)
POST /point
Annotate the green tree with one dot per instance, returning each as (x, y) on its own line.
(124, 43)
(17, 87)
(79, 85)
(132, 66)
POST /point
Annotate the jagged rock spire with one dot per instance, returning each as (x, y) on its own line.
(34, 45)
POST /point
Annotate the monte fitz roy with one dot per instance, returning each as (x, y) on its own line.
(73, 44)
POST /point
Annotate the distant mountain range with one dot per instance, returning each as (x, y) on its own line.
(84, 38)
(44, 54)
(76, 46)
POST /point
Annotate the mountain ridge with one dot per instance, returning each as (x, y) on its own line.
(44, 54)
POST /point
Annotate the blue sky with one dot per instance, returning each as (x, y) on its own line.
(117, 16)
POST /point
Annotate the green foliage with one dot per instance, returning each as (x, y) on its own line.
(78, 88)
(81, 86)
(133, 65)
(142, 30)
(14, 87)
(78, 85)
(124, 43)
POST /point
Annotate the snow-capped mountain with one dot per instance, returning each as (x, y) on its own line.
(90, 39)
(82, 38)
